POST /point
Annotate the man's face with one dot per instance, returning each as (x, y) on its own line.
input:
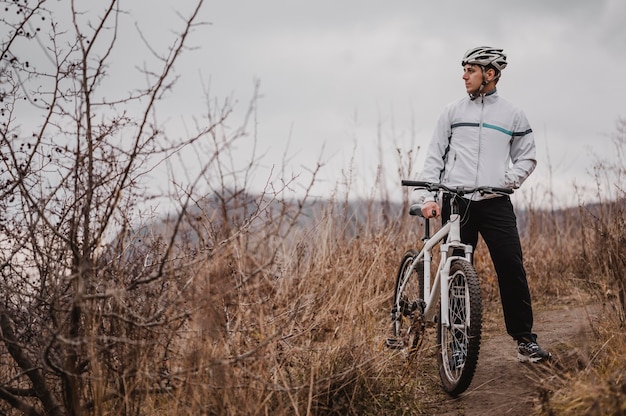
(473, 77)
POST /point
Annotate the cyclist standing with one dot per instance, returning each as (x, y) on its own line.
(484, 140)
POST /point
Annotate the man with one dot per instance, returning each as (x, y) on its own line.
(483, 140)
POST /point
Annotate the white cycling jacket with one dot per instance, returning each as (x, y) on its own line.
(490, 144)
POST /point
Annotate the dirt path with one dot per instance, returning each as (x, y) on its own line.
(502, 385)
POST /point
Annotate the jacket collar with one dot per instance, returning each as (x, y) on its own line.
(488, 97)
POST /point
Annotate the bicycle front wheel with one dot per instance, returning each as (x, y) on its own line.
(459, 343)
(408, 303)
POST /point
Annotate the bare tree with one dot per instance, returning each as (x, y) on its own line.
(88, 290)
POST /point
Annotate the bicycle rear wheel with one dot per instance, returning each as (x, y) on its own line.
(459, 344)
(408, 304)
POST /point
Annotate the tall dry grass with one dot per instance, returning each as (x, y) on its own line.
(299, 334)
(587, 263)
(295, 323)
(303, 336)
(303, 333)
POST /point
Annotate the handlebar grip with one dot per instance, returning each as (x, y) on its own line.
(408, 182)
(502, 190)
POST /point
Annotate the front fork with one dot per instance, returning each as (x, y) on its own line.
(444, 277)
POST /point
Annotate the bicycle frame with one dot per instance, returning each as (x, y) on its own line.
(455, 286)
(451, 232)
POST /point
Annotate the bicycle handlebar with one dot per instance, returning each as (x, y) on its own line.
(459, 190)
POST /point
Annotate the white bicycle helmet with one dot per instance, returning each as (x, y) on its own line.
(485, 56)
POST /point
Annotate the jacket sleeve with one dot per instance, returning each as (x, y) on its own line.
(435, 154)
(523, 153)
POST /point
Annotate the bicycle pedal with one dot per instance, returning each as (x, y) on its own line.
(394, 343)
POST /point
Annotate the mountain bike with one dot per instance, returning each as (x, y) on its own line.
(450, 299)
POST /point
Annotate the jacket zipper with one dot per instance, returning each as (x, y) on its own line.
(480, 137)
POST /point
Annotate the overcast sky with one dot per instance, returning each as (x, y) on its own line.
(347, 82)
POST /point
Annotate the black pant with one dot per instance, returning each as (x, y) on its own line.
(495, 220)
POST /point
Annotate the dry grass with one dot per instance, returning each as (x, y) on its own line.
(592, 378)
(294, 324)
(302, 335)
(591, 381)
(305, 334)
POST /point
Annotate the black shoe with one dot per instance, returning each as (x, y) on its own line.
(531, 352)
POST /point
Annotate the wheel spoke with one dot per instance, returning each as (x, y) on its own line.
(406, 312)
(460, 340)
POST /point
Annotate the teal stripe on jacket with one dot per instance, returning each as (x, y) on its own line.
(494, 127)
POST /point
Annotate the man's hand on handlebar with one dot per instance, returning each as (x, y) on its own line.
(431, 210)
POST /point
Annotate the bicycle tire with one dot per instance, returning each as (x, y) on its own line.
(408, 303)
(459, 345)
